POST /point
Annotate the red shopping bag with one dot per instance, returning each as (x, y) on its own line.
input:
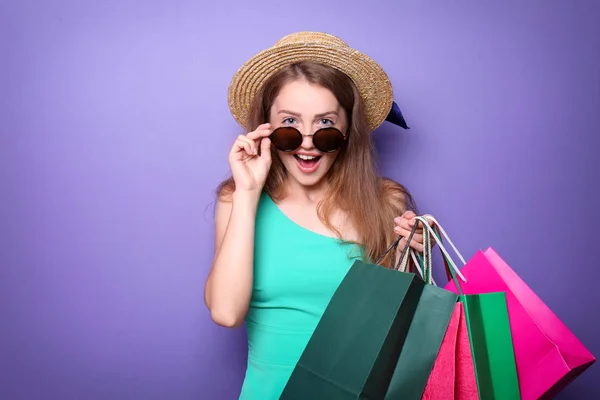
(453, 374)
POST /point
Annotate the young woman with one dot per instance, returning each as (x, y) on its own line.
(304, 200)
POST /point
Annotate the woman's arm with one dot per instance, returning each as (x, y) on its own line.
(229, 284)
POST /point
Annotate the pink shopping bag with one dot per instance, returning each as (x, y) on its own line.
(547, 353)
(453, 374)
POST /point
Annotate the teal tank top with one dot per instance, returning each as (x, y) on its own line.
(296, 272)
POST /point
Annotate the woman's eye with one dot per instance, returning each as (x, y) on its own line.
(326, 121)
(289, 121)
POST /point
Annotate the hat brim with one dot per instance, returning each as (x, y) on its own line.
(370, 79)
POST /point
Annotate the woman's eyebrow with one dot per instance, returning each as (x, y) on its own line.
(326, 114)
(289, 113)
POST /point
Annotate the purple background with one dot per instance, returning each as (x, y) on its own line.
(114, 131)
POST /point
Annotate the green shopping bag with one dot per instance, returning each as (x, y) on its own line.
(354, 349)
(492, 346)
(489, 330)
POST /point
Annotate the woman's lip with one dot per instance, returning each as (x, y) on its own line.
(308, 170)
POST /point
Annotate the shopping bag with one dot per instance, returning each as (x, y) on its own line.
(548, 355)
(356, 345)
(492, 346)
(453, 374)
(489, 332)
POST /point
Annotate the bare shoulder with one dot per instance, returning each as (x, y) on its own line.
(396, 195)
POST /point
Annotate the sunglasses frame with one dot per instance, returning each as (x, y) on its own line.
(344, 138)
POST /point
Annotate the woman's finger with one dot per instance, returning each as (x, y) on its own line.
(417, 246)
(401, 245)
(242, 144)
(252, 144)
(409, 214)
(402, 222)
(238, 145)
(261, 132)
(406, 233)
(265, 149)
(266, 125)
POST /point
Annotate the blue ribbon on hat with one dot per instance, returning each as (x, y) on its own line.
(395, 116)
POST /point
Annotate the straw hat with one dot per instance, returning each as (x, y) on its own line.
(371, 81)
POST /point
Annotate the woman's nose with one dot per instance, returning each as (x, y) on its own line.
(307, 141)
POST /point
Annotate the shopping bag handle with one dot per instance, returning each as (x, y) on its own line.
(430, 230)
(428, 217)
(394, 247)
(428, 251)
(417, 264)
(402, 266)
(441, 229)
(426, 272)
(405, 250)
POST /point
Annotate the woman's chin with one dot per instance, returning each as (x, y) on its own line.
(306, 180)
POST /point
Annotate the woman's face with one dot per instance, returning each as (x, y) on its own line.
(307, 107)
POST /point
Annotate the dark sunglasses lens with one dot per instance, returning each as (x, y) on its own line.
(328, 140)
(286, 139)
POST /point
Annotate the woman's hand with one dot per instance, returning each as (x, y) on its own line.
(404, 225)
(248, 167)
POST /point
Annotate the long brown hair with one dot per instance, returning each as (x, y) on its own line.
(370, 202)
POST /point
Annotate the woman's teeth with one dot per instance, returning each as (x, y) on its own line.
(307, 164)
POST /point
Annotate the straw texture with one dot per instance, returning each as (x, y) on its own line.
(371, 81)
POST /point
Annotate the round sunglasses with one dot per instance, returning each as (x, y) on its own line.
(326, 140)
